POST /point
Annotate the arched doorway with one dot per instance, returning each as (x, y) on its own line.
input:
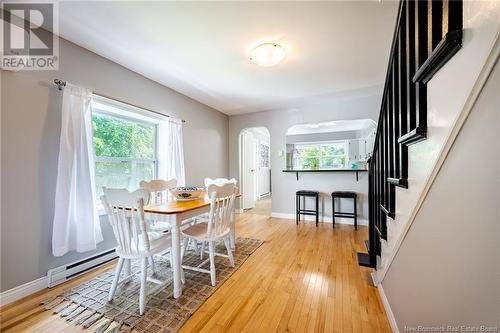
(255, 170)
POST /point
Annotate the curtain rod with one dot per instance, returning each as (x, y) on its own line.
(61, 84)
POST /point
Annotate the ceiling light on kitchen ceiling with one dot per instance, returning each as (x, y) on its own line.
(267, 54)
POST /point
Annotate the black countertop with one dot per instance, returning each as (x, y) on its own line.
(324, 170)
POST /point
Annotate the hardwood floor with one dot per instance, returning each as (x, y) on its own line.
(302, 279)
(262, 207)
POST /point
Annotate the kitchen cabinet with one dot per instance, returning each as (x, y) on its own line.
(370, 141)
(353, 150)
(362, 149)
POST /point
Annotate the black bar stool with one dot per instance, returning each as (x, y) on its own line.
(304, 211)
(345, 194)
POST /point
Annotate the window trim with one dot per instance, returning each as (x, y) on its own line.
(132, 114)
(127, 110)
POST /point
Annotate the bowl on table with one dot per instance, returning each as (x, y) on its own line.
(187, 193)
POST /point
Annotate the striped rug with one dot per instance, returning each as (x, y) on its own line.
(86, 305)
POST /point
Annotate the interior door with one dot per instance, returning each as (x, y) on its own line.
(248, 170)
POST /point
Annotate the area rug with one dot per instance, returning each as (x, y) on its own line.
(86, 305)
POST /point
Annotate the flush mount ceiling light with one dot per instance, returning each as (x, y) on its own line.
(267, 54)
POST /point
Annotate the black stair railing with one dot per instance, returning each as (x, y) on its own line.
(427, 34)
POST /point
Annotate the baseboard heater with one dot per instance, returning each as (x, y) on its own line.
(69, 271)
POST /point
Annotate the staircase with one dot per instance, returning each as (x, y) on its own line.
(426, 36)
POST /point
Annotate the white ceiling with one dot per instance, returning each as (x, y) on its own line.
(201, 48)
(332, 126)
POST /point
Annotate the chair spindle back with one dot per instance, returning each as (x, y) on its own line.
(158, 189)
(126, 215)
(219, 181)
(221, 205)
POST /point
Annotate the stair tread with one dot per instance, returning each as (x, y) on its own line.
(400, 182)
(415, 135)
(364, 260)
(389, 213)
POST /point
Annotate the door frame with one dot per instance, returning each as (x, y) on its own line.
(248, 170)
(240, 162)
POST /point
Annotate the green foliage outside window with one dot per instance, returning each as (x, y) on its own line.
(124, 150)
(115, 137)
(320, 156)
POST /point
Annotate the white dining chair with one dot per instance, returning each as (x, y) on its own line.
(125, 212)
(219, 181)
(216, 228)
(204, 217)
(158, 193)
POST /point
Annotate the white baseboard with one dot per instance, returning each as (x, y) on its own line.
(373, 275)
(23, 290)
(326, 219)
(388, 310)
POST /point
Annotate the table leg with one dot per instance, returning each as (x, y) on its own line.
(176, 257)
(232, 234)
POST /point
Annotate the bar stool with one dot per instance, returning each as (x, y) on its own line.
(304, 211)
(349, 195)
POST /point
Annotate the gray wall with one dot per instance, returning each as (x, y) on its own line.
(30, 126)
(277, 122)
(447, 271)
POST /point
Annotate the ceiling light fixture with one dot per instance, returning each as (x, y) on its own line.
(267, 54)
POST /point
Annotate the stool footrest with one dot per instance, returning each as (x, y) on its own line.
(344, 214)
(301, 213)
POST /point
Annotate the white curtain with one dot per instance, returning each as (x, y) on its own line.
(171, 154)
(76, 223)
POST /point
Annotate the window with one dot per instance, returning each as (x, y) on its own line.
(320, 155)
(124, 146)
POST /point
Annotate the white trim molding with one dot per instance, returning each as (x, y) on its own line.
(388, 310)
(23, 290)
(322, 218)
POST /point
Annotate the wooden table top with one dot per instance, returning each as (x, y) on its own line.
(178, 207)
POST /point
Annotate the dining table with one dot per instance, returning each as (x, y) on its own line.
(175, 213)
